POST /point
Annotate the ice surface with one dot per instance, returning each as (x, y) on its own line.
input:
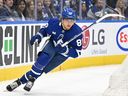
(91, 81)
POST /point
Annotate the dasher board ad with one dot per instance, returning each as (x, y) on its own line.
(105, 38)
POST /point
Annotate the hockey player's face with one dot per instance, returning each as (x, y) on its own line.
(67, 23)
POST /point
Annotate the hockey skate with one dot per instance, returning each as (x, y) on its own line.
(30, 83)
(13, 85)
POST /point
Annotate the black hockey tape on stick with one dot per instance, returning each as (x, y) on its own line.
(98, 21)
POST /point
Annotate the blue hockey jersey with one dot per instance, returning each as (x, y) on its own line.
(56, 31)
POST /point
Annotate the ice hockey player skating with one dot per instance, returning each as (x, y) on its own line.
(53, 54)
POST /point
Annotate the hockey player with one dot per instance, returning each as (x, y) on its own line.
(53, 54)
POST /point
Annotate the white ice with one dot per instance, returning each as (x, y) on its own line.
(89, 81)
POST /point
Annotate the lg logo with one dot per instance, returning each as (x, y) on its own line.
(98, 37)
(86, 38)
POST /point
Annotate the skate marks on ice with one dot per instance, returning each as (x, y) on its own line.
(90, 81)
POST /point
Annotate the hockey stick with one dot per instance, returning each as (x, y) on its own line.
(98, 21)
(112, 9)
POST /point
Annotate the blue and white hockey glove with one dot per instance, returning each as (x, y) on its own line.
(35, 38)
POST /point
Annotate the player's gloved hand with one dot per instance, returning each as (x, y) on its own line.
(34, 38)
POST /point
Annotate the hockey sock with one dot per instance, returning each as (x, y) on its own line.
(34, 72)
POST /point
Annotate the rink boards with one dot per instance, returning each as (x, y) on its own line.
(104, 43)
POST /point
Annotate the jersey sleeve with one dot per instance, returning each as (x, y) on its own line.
(76, 45)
